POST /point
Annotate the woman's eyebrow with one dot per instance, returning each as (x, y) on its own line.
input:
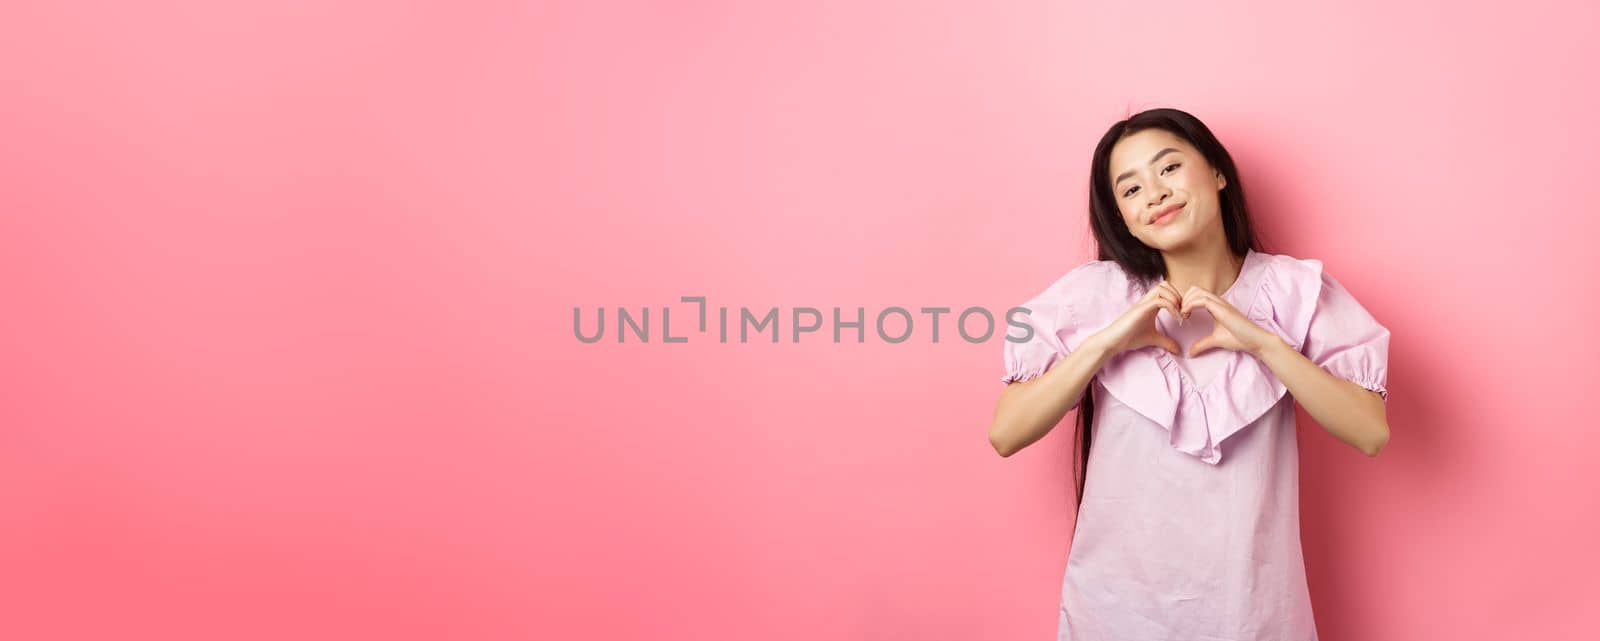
(1153, 160)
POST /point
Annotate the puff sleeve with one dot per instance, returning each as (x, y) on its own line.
(1344, 339)
(1041, 348)
(1052, 316)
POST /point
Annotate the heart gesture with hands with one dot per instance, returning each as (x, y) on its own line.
(1232, 329)
(1137, 327)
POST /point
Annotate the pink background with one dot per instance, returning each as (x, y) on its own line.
(288, 296)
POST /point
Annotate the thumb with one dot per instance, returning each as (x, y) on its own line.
(1165, 342)
(1201, 346)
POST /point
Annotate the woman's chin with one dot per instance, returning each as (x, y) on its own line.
(1170, 237)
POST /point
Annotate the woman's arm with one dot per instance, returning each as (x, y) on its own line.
(1029, 409)
(1350, 412)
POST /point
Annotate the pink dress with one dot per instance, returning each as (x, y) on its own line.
(1189, 528)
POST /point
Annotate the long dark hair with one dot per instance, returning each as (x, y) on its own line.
(1139, 260)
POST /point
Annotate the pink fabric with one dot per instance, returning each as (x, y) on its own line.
(1174, 540)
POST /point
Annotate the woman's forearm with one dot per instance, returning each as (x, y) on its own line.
(1350, 412)
(1028, 410)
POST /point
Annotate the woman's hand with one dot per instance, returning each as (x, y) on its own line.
(1233, 330)
(1137, 327)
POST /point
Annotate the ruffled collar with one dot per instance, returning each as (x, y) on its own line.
(1275, 291)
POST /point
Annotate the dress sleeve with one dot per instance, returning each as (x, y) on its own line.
(1027, 360)
(1053, 317)
(1344, 339)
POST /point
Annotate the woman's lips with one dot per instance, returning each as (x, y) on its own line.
(1167, 216)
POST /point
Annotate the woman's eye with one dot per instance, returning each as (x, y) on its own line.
(1172, 165)
(1129, 192)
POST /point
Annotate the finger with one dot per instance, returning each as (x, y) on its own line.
(1198, 291)
(1195, 300)
(1177, 298)
(1166, 343)
(1162, 299)
(1171, 306)
(1203, 345)
(1172, 288)
(1159, 292)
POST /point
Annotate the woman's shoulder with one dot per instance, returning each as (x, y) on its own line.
(1294, 278)
(1091, 290)
(1287, 276)
(1309, 278)
(1287, 264)
(1099, 271)
(1088, 278)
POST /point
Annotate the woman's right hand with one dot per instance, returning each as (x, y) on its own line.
(1137, 327)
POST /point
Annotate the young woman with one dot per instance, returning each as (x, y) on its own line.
(1188, 502)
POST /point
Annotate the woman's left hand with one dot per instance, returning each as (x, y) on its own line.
(1232, 330)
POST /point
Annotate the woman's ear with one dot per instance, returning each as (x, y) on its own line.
(1222, 181)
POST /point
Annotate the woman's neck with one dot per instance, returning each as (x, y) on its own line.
(1213, 268)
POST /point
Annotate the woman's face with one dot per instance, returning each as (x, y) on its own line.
(1165, 189)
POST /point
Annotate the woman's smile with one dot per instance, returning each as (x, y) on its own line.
(1171, 213)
